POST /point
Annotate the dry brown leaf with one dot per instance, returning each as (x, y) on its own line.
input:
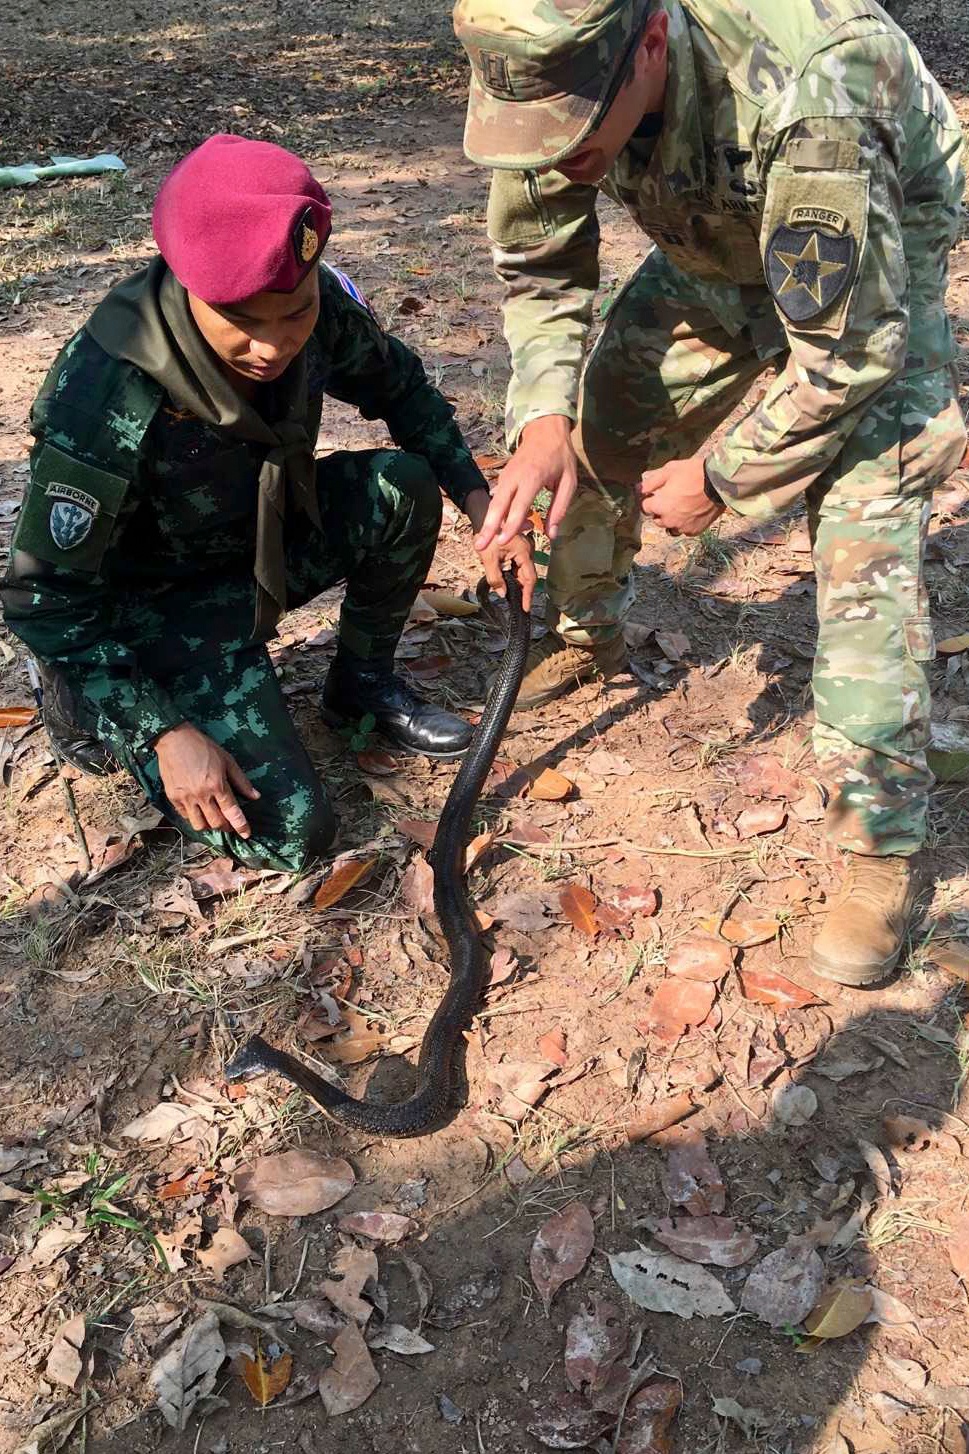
(794, 1105)
(357, 1268)
(351, 1378)
(551, 786)
(567, 1422)
(265, 1381)
(761, 818)
(907, 1133)
(227, 1250)
(673, 644)
(524, 834)
(376, 763)
(952, 645)
(676, 1005)
(417, 886)
(65, 1362)
(561, 1249)
(742, 930)
(952, 958)
(445, 603)
(647, 1423)
(379, 1226)
(186, 1372)
(217, 879)
(840, 1312)
(595, 1337)
(632, 900)
(355, 1048)
(553, 1046)
(767, 987)
(294, 1183)
(420, 830)
(477, 849)
(765, 776)
(699, 958)
(503, 966)
(663, 1283)
(785, 1286)
(17, 716)
(579, 907)
(659, 1117)
(168, 1121)
(691, 1178)
(715, 1240)
(339, 883)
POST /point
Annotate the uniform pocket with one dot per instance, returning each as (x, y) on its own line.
(920, 638)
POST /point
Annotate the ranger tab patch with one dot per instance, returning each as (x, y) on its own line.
(810, 265)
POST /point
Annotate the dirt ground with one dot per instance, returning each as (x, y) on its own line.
(691, 808)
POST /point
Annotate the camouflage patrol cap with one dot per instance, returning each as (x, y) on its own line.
(543, 73)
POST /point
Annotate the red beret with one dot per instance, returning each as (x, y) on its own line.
(236, 217)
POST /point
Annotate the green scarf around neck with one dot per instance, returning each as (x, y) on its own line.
(146, 321)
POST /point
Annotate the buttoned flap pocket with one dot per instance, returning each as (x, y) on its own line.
(812, 240)
(69, 511)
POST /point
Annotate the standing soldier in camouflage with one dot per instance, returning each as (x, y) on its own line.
(175, 510)
(797, 169)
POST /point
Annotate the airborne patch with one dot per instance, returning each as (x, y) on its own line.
(72, 514)
(808, 269)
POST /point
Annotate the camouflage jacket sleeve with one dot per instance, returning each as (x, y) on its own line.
(84, 485)
(545, 239)
(840, 171)
(384, 379)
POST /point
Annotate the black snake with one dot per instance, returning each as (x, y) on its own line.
(430, 1100)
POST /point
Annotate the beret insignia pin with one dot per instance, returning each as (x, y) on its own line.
(808, 269)
(306, 239)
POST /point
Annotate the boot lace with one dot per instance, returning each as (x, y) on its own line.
(873, 881)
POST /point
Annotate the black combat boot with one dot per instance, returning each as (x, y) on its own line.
(355, 688)
(69, 739)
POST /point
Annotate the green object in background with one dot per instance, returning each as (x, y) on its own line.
(29, 173)
(948, 752)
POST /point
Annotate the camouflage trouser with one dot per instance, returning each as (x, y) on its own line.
(381, 514)
(674, 359)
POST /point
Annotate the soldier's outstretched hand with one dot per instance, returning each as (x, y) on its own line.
(544, 460)
(201, 780)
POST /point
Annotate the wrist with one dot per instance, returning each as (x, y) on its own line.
(476, 505)
(170, 733)
(549, 429)
(709, 489)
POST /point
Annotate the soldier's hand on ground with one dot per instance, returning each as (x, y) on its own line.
(517, 554)
(544, 460)
(201, 780)
(675, 497)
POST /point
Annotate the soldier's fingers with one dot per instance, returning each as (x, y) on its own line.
(192, 814)
(492, 569)
(527, 576)
(652, 480)
(502, 495)
(235, 818)
(561, 500)
(238, 778)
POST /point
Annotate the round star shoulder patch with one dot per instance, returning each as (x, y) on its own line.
(809, 267)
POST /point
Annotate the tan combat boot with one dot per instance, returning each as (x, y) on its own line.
(864, 932)
(554, 667)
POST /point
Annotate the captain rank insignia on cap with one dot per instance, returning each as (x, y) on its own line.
(810, 262)
(306, 239)
(72, 514)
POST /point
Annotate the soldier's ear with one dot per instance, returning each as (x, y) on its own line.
(653, 47)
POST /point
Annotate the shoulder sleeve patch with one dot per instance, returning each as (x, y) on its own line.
(69, 511)
(814, 234)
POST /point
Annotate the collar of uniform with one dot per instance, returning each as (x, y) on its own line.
(681, 140)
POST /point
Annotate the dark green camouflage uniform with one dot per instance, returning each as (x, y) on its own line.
(803, 145)
(149, 615)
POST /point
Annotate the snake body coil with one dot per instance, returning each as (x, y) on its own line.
(431, 1098)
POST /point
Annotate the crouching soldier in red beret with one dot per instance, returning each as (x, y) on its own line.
(175, 510)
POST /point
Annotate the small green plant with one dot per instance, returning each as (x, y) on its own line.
(359, 736)
(98, 1195)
